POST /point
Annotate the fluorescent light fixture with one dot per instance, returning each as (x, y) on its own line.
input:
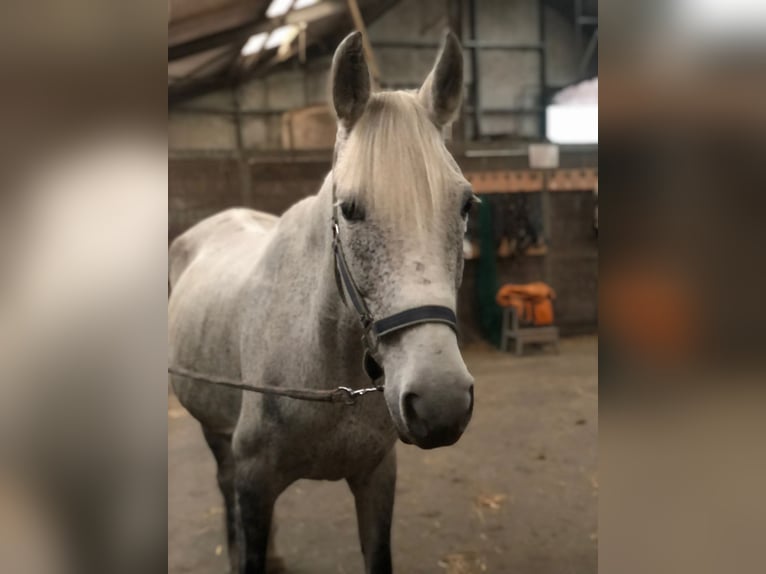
(254, 44)
(572, 124)
(264, 40)
(279, 8)
(282, 35)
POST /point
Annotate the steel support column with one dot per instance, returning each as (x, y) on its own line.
(475, 69)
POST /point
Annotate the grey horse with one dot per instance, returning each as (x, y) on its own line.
(255, 298)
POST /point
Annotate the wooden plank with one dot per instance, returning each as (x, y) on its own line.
(573, 180)
(525, 181)
(372, 63)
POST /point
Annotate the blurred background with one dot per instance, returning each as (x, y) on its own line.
(249, 125)
(89, 199)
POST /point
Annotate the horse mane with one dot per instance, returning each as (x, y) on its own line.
(395, 162)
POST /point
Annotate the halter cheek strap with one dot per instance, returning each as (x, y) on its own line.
(373, 330)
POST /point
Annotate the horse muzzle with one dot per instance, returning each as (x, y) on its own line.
(436, 415)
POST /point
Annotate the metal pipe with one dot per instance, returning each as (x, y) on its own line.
(302, 43)
(590, 49)
(475, 69)
(455, 19)
(504, 46)
(276, 112)
(543, 53)
(473, 153)
(578, 30)
(517, 111)
(545, 201)
(229, 112)
(244, 167)
(470, 44)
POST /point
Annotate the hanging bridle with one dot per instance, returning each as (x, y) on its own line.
(372, 331)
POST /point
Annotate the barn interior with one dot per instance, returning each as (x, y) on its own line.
(250, 124)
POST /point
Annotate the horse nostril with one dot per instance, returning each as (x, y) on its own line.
(469, 411)
(414, 421)
(409, 406)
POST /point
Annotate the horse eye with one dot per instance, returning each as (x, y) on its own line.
(352, 211)
(467, 205)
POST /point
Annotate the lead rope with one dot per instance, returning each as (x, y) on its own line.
(345, 395)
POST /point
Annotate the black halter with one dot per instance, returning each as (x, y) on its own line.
(373, 330)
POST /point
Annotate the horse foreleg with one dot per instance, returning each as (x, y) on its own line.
(374, 496)
(256, 496)
(220, 444)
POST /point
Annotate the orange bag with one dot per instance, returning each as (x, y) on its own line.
(533, 302)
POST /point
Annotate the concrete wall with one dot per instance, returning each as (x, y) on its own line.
(507, 79)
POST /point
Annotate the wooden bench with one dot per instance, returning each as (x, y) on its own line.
(522, 335)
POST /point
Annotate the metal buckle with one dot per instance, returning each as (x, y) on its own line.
(335, 231)
(348, 395)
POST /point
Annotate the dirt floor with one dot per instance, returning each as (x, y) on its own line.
(518, 493)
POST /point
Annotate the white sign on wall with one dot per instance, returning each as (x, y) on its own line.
(543, 156)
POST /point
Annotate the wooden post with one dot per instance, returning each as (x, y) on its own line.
(242, 156)
(372, 63)
(455, 18)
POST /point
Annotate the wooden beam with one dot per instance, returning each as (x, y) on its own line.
(209, 22)
(244, 63)
(241, 32)
(526, 181)
(182, 91)
(372, 63)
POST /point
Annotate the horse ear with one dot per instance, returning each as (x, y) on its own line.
(350, 80)
(442, 91)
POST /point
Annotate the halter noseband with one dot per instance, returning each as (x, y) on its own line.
(374, 330)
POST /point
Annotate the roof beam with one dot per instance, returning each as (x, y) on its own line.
(183, 91)
(243, 31)
(211, 21)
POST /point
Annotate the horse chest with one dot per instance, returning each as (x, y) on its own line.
(329, 442)
(359, 442)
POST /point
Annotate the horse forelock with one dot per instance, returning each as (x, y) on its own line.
(395, 162)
